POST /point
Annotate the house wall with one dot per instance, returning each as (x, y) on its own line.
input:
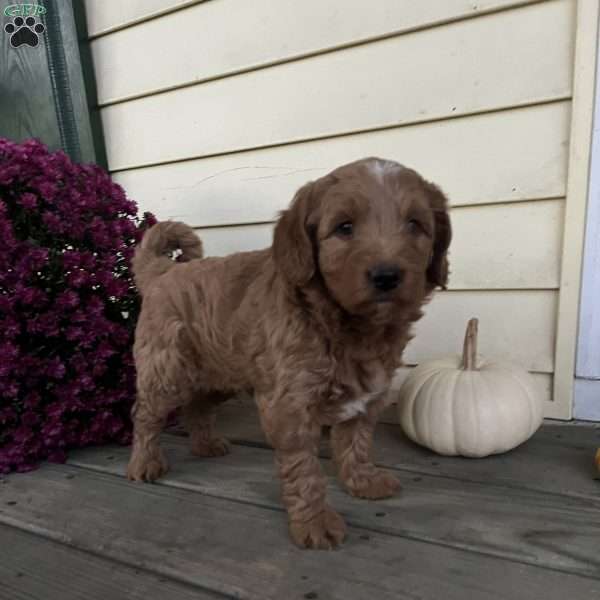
(215, 112)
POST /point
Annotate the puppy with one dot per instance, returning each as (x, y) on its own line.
(315, 326)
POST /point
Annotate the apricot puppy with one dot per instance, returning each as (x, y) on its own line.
(315, 325)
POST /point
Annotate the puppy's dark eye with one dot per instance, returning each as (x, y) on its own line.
(344, 229)
(414, 227)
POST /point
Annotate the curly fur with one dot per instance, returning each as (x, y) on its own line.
(300, 324)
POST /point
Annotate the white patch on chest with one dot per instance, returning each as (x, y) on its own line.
(356, 407)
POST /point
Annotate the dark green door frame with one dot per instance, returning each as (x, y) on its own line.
(48, 91)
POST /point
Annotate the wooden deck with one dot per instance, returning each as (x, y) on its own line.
(524, 525)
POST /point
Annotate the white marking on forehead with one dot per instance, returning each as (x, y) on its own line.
(380, 167)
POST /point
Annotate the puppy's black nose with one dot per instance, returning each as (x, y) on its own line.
(385, 278)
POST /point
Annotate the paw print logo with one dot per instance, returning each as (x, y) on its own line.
(24, 31)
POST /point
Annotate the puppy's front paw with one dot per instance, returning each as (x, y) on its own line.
(323, 532)
(373, 485)
(147, 466)
(214, 447)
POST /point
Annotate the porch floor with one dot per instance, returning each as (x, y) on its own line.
(524, 525)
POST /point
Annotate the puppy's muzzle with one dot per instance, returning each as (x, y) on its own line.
(385, 278)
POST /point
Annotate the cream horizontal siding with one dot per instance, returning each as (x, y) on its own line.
(507, 247)
(503, 333)
(504, 156)
(276, 37)
(493, 247)
(511, 58)
(220, 132)
(105, 16)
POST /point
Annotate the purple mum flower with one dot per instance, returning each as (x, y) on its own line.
(28, 201)
(55, 368)
(67, 299)
(67, 235)
(53, 222)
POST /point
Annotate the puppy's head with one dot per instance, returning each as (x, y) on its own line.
(375, 233)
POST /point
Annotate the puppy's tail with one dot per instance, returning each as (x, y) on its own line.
(150, 259)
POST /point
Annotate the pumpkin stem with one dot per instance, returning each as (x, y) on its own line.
(470, 346)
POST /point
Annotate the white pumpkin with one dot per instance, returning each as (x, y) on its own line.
(461, 406)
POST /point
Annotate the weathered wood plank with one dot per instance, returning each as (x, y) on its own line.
(36, 568)
(243, 550)
(557, 459)
(477, 516)
(234, 36)
(517, 57)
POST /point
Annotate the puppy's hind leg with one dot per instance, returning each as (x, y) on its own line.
(165, 381)
(199, 420)
(147, 461)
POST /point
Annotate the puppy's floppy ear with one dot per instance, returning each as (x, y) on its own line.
(292, 244)
(437, 272)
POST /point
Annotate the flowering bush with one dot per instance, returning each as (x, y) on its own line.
(68, 306)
